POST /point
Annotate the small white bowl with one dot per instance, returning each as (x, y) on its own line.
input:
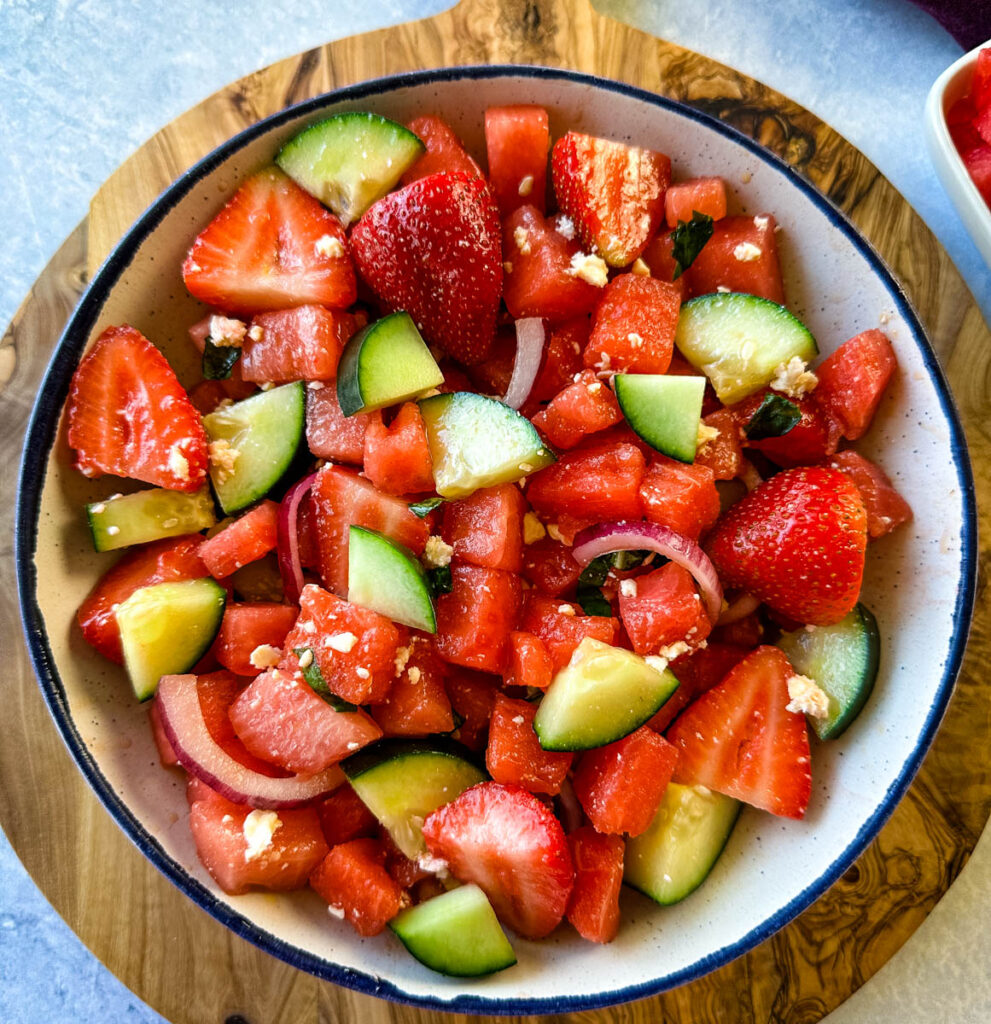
(951, 85)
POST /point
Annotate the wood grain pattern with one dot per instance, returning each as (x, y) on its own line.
(157, 936)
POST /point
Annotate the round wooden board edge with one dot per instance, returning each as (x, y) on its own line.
(924, 807)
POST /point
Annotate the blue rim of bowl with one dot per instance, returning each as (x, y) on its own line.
(41, 437)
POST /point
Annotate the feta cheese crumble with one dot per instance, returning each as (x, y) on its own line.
(178, 463)
(807, 697)
(747, 252)
(259, 829)
(225, 332)
(256, 332)
(706, 435)
(223, 458)
(522, 239)
(402, 656)
(566, 227)
(533, 529)
(793, 378)
(328, 245)
(555, 534)
(640, 268)
(628, 588)
(265, 656)
(343, 643)
(437, 554)
(590, 268)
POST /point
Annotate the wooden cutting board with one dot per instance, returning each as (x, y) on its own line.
(193, 970)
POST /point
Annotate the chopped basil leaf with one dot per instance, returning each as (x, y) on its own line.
(774, 418)
(533, 694)
(459, 720)
(597, 570)
(218, 361)
(421, 509)
(439, 580)
(592, 601)
(315, 680)
(687, 240)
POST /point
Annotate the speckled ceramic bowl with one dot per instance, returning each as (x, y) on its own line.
(919, 580)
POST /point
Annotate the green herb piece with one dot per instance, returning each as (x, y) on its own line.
(592, 601)
(597, 570)
(688, 239)
(774, 418)
(315, 680)
(421, 509)
(439, 580)
(219, 360)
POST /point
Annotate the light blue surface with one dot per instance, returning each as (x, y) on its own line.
(84, 83)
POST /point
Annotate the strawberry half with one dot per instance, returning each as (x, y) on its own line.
(508, 843)
(797, 542)
(130, 416)
(434, 249)
(739, 738)
(272, 246)
(613, 193)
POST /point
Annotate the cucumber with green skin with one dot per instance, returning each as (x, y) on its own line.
(738, 341)
(664, 410)
(388, 578)
(842, 660)
(603, 694)
(681, 846)
(456, 933)
(166, 628)
(264, 433)
(148, 515)
(384, 364)
(479, 442)
(349, 160)
(402, 781)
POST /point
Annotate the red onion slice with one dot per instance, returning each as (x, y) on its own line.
(530, 335)
(639, 536)
(200, 755)
(290, 566)
(739, 608)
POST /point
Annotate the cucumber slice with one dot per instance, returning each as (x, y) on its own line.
(456, 933)
(387, 577)
(843, 661)
(739, 340)
(600, 696)
(264, 431)
(479, 442)
(664, 410)
(686, 837)
(402, 781)
(166, 628)
(349, 160)
(148, 515)
(384, 364)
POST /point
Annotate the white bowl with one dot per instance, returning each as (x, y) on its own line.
(919, 581)
(952, 85)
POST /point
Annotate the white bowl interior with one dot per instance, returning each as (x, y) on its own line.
(770, 865)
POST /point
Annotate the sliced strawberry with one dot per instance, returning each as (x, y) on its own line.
(130, 416)
(272, 246)
(614, 193)
(797, 542)
(740, 739)
(164, 561)
(434, 249)
(508, 843)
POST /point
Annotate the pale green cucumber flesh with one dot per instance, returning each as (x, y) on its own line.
(665, 410)
(387, 577)
(479, 442)
(384, 364)
(166, 628)
(456, 933)
(402, 781)
(148, 515)
(843, 660)
(739, 340)
(265, 431)
(603, 694)
(349, 160)
(676, 853)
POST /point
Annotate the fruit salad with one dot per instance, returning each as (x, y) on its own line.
(511, 541)
(969, 123)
